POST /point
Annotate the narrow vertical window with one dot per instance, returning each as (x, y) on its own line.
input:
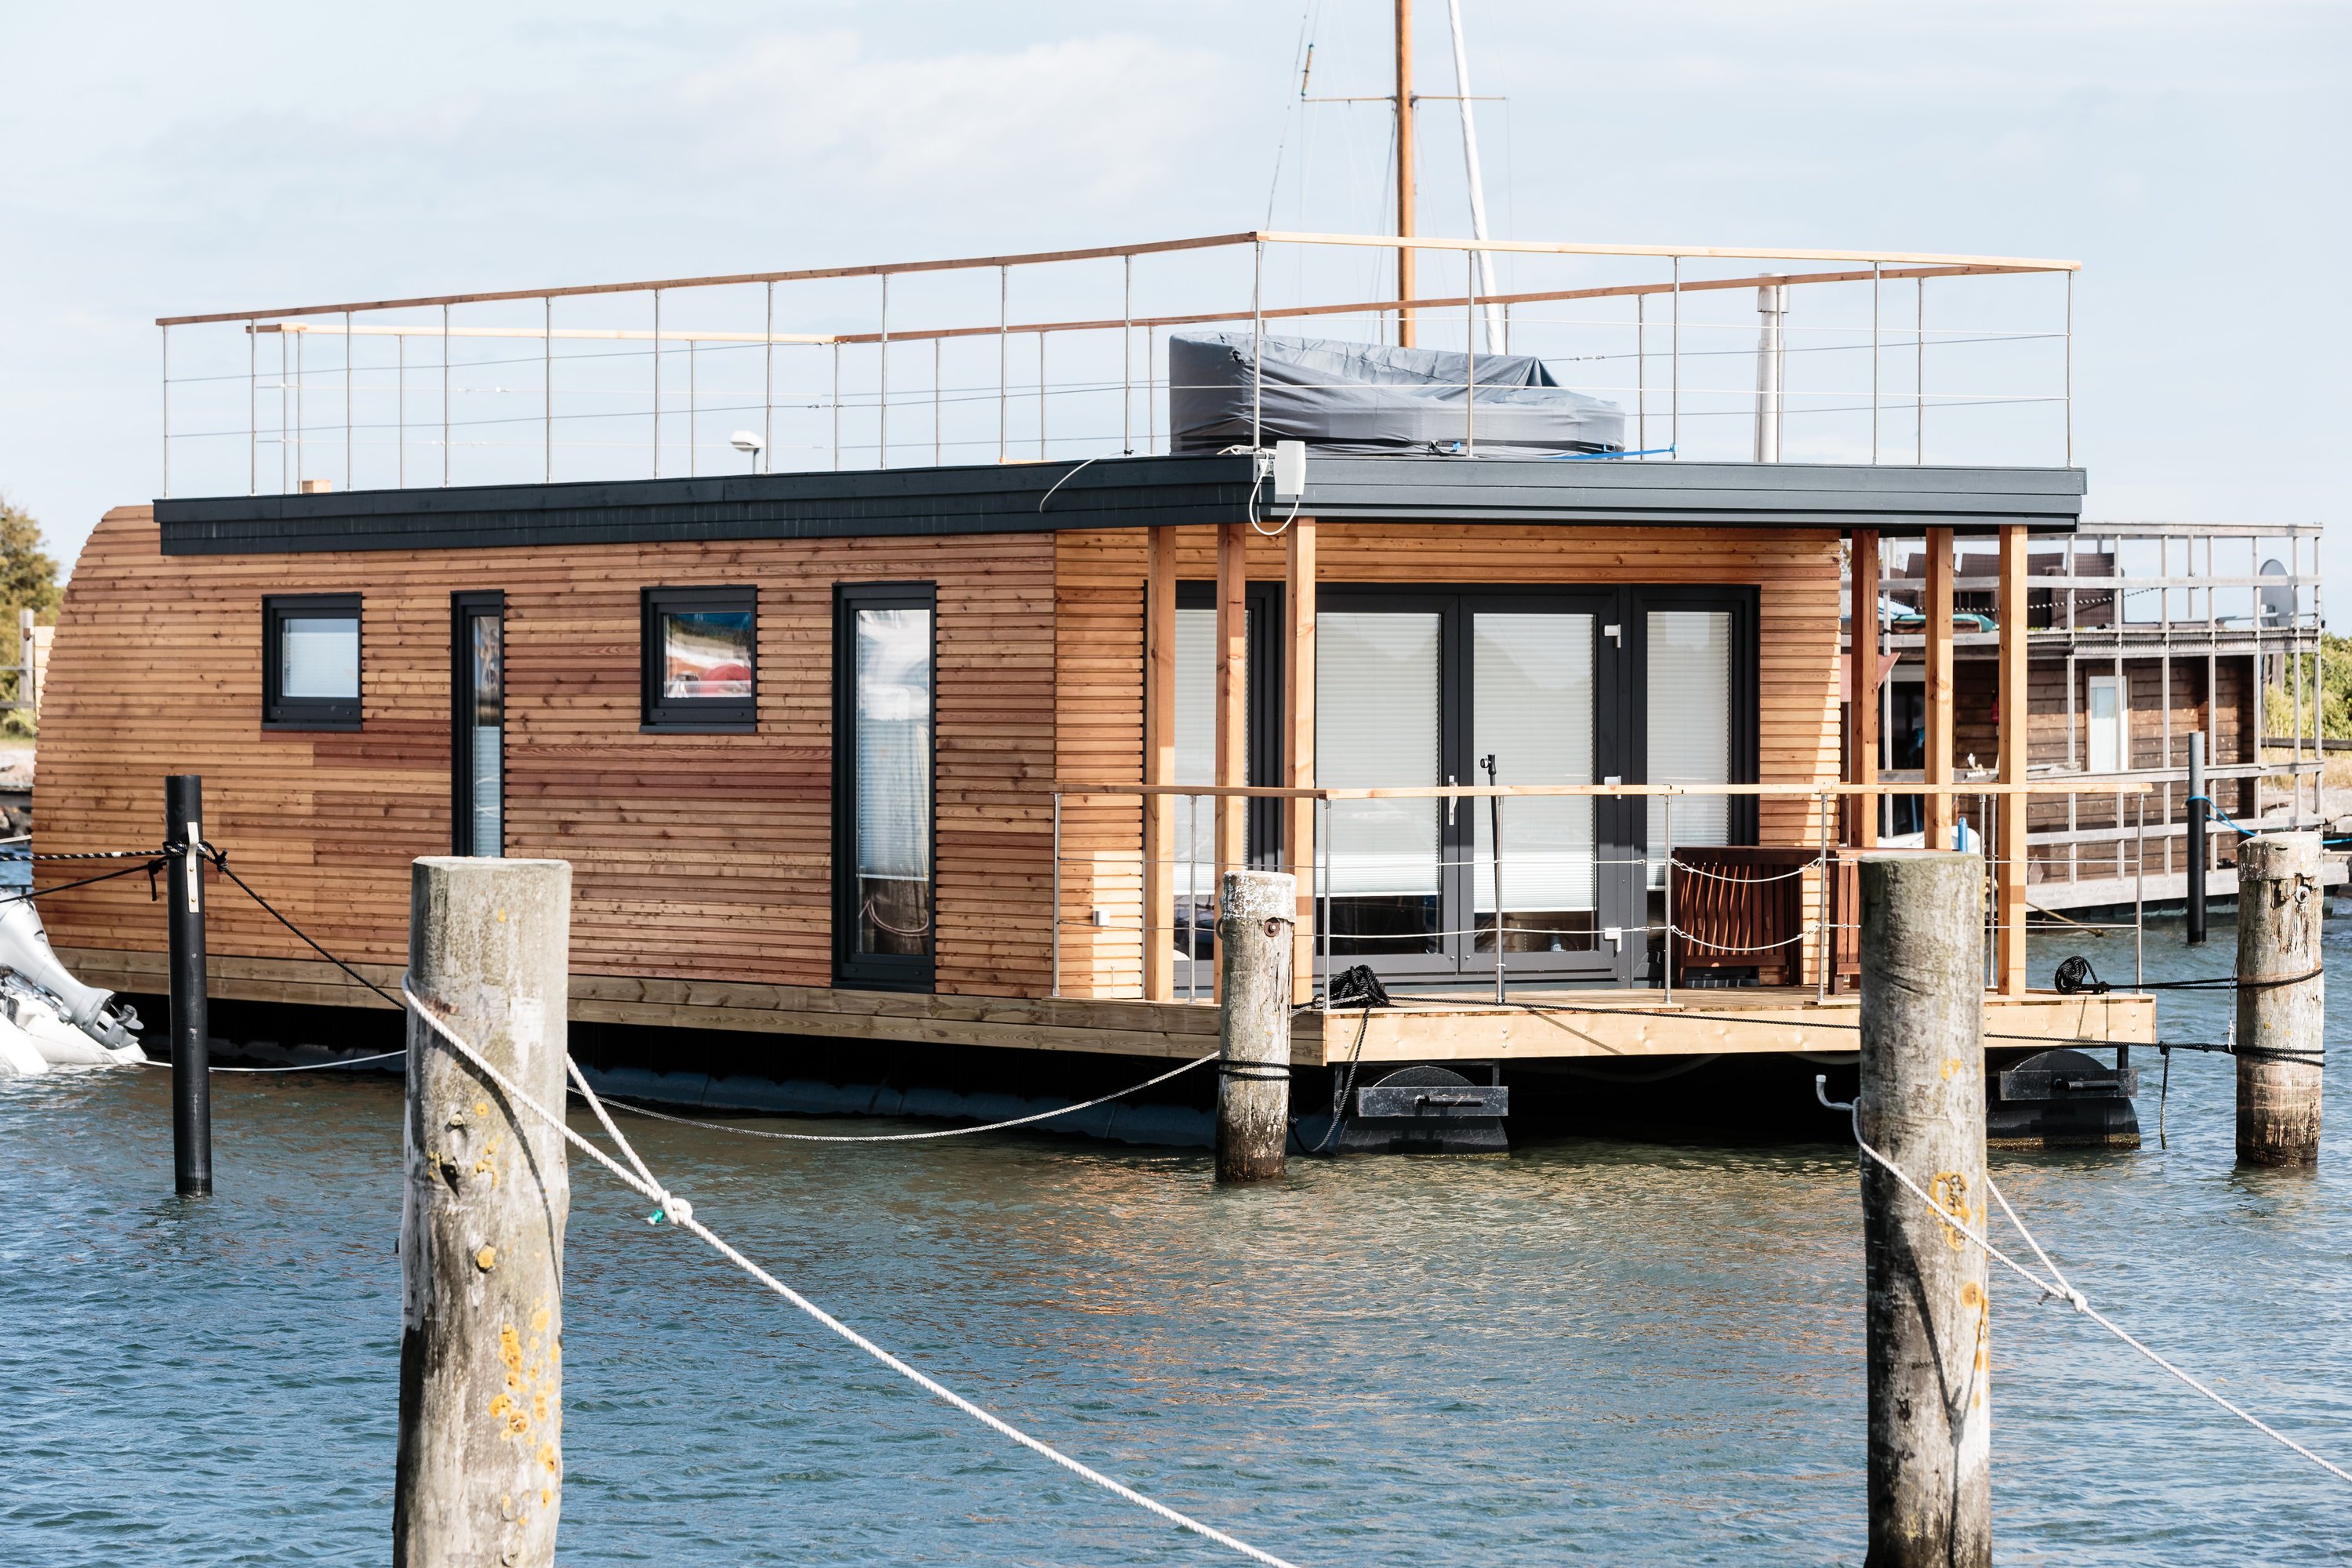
(477, 723)
(883, 747)
(310, 662)
(1689, 717)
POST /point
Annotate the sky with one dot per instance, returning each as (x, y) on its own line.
(163, 159)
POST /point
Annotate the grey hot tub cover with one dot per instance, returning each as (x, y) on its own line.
(1339, 396)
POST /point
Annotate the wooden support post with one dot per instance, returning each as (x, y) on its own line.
(1233, 696)
(2014, 719)
(2193, 926)
(2280, 1027)
(1922, 1106)
(479, 1473)
(1862, 741)
(1939, 687)
(192, 1089)
(1160, 766)
(1254, 947)
(1298, 744)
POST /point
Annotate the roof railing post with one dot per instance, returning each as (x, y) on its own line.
(445, 395)
(165, 391)
(299, 424)
(1257, 346)
(836, 405)
(1126, 359)
(547, 387)
(693, 409)
(1874, 362)
(882, 373)
(936, 459)
(1003, 356)
(1919, 378)
(1640, 374)
(2070, 369)
(1675, 365)
(348, 341)
(400, 411)
(657, 370)
(768, 388)
(1040, 395)
(252, 410)
(1470, 368)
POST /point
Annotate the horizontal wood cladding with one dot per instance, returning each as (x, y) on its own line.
(1099, 581)
(695, 856)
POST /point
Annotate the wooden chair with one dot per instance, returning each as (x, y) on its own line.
(1747, 906)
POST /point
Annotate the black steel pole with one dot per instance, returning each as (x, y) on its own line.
(192, 1098)
(2196, 838)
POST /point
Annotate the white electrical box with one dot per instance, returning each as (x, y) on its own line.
(1289, 470)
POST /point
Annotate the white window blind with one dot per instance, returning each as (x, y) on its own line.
(1196, 752)
(1376, 725)
(1532, 708)
(2104, 720)
(321, 657)
(1689, 717)
(894, 744)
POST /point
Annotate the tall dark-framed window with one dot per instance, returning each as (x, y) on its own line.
(1697, 650)
(1193, 878)
(701, 652)
(310, 661)
(885, 770)
(477, 723)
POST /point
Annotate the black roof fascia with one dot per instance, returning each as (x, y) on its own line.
(1123, 493)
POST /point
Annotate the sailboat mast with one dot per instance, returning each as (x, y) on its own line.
(1405, 164)
(1496, 328)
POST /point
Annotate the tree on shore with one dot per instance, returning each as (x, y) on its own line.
(28, 580)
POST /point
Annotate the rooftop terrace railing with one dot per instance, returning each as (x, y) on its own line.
(1713, 353)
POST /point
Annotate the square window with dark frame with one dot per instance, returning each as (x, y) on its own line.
(310, 661)
(702, 659)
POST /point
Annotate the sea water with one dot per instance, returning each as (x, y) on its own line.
(1614, 1352)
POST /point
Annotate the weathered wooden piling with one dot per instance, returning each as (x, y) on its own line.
(192, 1085)
(2282, 999)
(1254, 932)
(1922, 1105)
(479, 1474)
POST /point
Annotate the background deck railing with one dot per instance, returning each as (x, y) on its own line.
(1720, 354)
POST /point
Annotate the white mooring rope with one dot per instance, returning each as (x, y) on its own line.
(681, 1214)
(891, 1137)
(2056, 1285)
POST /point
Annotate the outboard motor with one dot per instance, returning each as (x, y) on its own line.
(25, 951)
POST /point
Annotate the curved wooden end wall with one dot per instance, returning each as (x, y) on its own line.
(696, 858)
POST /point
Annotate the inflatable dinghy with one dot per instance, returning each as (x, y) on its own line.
(46, 1012)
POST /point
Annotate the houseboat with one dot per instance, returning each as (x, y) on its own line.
(909, 694)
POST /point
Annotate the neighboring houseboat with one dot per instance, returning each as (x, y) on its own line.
(904, 749)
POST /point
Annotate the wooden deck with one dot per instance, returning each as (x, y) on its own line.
(1536, 1023)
